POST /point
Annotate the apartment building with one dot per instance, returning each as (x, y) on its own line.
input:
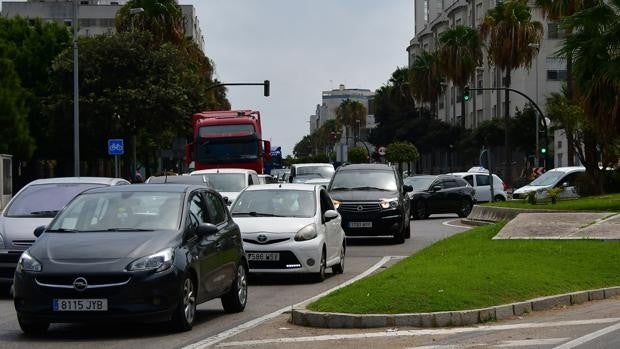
(546, 75)
(95, 16)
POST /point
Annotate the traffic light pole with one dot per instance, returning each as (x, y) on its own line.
(542, 116)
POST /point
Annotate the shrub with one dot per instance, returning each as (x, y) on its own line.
(554, 193)
(531, 197)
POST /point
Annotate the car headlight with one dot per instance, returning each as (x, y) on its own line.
(306, 233)
(159, 261)
(389, 203)
(28, 263)
(336, 203)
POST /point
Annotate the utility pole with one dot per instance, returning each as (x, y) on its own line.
(76, 94)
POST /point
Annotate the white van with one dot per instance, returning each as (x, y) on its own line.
(229, 182)
(564, 177)
(300, 173)
(480, 181)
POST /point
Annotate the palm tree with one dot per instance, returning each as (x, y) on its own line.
(593, 46)
(349, 113)
(511, 32)
(460, 52)
(425, 79)
(163, 18)
(555, 10)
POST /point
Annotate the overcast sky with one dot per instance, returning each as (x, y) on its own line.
(303, 47)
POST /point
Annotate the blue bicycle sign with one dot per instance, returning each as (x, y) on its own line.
(116, 147)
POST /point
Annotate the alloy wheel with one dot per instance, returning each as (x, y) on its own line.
(242, 285)
(189, 300)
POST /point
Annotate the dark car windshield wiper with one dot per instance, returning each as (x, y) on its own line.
(50, 213)
(61, 230)
(255, 214)
(369, 188)
(119, 229)
(340, 189)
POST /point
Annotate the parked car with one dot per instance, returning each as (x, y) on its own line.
(36, 204)
(229, 181)
(561, 177)
(481, 183)
(372, 200)
(290, 228)
(147, 252)
(440, 194)
(266, 179)
(303, 172)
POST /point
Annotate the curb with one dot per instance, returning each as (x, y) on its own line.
(491, 214)
(305, 317)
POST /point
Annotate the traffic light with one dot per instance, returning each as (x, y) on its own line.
(543, 150)
(266, 86)
(466, 95)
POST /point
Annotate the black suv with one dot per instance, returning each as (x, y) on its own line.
(372, 201)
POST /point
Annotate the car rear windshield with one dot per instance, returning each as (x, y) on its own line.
(121, 211)
(225, 182)
(317, 171)
(45, 200)
(364, 180)
(419, 183)
(277, 202)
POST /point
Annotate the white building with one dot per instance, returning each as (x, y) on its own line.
(547, 73)
(325, 111)
(95, 16)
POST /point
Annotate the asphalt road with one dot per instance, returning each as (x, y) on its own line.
(266, 295)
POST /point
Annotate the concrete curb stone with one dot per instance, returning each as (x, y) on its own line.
(305, 317)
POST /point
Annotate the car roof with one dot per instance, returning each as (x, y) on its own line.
(313, 164)
(568, 169)
(283, 186)
(196, 179)
(460, 174)
(86, 180)
(223, 170)
(169, 188)
(353, 167)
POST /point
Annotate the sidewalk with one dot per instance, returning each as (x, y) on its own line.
(565, 225)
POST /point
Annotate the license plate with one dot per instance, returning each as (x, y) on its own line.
(360, 224)
(263, 256)
(80, 304)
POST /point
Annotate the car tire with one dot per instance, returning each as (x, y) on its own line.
(185, 312)
(499, 198)
(33, 328)
(339, 268)
(235, 299)
(399, 237)
(420, 210)
(320, 276)
(465, 207)
(408, 230)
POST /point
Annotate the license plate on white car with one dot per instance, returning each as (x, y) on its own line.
(360, 224)
(80, 304)
(263, 256)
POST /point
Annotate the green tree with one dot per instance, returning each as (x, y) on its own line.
(569, 117)
(14, 134)
(426, 79)
(511, 32)
(400, 152)
(163, 18)
(460, 52)
(358, 155)
(350, 114)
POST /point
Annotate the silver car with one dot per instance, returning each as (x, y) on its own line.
(35, 205)
(290, 228)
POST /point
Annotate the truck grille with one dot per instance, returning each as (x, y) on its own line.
(360, 207)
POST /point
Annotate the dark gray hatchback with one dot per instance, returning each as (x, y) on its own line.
(146, 252)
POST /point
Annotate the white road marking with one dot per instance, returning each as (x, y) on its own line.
(427, 332)
(581, 340)
(530, 342)
(449, 224)
(209, 341)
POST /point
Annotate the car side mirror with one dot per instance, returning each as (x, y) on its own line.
(330, 215)
(565, 185)
(38, 231)
(206, 229)
(407, 188)
(227, 201)
(436, 188)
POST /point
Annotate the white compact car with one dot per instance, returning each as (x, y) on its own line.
(229, 182)
(479, 179)
(564, 177)
(290, 228)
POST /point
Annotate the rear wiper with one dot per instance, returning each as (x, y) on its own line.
(62, 230)
(51, 213)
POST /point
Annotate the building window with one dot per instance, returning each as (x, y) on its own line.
(67, 22)
(495, 111)
(479, 80)
(556, 69)
(560, 156)
(559, 144)
(425, 11)
(441, 103)
(554, 31)
(458, 21)
(452, 95)
(479, 12)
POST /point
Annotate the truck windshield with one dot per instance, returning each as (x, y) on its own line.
(232, 151)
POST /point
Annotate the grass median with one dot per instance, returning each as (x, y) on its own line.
(602, 203)
(469, 270)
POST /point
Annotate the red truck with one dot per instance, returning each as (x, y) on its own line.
(227, 139)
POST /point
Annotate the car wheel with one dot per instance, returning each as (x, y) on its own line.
(339, 268)
(420, 211)
(408, 230)
(184, 314)
(234, 300)
(320, 276)
(33, 328)
(464, 208)
(499, 198)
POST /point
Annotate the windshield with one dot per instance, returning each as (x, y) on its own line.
(275, 203)
(219, 130)
(419, 183)
(225, 182)
(45, 200)
(548, 178)
(231, 151)
(325, 171)
(121, 211)
(364, 180)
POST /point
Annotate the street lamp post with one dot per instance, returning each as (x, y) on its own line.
(76, 94)
(134, 139)
(537, 157)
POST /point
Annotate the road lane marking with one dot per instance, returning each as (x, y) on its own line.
(209, 341)
(530, 342)
(426, 332)
(582, 340)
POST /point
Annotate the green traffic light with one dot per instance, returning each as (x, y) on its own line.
(466, 95)
(543, 150)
